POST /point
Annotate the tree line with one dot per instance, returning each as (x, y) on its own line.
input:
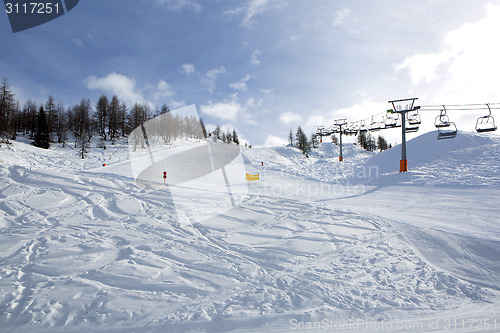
(111, 119)
(300, 140)
(369, 143)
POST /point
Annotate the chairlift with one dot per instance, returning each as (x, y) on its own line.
(392, 121)
(442, 120)
(414, 118)
(411, 128)
(486, 123)
(351, 129)
(376, 125)
(413, 122)
(446, 128)
(448, 132)
(362, 126)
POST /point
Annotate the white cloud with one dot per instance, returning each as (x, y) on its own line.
(255, 60)
(179, 5)
(466, 64)
(289, 117)
(361, 110)
(211, 76)
(163, 90)
(214, 73)
(314, 121)
(126, 90)
(187, 68)
(267, 91)
(423, 66)
(241, 84)
(79, 43)
(227, 110)
(341, 17)
(251, 10)
(252, 103)
(273, 141)
(117, 84)
(254, 8)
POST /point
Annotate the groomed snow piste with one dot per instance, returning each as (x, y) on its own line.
(315, 245)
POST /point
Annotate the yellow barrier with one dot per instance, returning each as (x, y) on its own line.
(252, 177)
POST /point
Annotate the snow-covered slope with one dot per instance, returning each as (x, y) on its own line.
(321, 164)
(82, 248)
(469, 158)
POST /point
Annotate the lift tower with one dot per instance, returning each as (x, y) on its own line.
(402, 107)
(339, 123)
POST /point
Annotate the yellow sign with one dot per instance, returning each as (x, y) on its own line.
(252, 177)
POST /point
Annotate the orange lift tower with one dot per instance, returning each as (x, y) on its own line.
(402, 107)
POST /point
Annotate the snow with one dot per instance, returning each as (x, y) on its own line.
(315, 245)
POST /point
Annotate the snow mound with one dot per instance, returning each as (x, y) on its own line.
(468, 159)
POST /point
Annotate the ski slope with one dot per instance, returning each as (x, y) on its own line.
(314, 244)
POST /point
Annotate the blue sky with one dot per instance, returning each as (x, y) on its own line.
(263, 66)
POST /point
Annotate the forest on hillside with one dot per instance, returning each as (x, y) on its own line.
(109, 118)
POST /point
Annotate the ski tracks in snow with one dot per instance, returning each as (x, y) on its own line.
(92, 251)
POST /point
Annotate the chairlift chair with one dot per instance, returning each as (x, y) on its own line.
(413, 122)
(446, 128)
(442, 120)
(486, 123)
(376, 125)
(414, 118)
(448, 132)
(351, 131)
(411, 128)
(392, 121)
(362, 127)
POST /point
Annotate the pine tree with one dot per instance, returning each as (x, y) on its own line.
(302, 141)
(235, 137)
(122, 119)
(14, 122)
(102, 115)
(80, 124)
(164, 109)
(42, 137)
(290, 138)
(362, 140)
(370, 143)
(382, 143)
(61, 125)
(335, 140)
(7, 105)
(203, 128)
(113, 115)
(139, 114)
(29, 115)
(51, 112)
(217, 132)
(314, 140)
